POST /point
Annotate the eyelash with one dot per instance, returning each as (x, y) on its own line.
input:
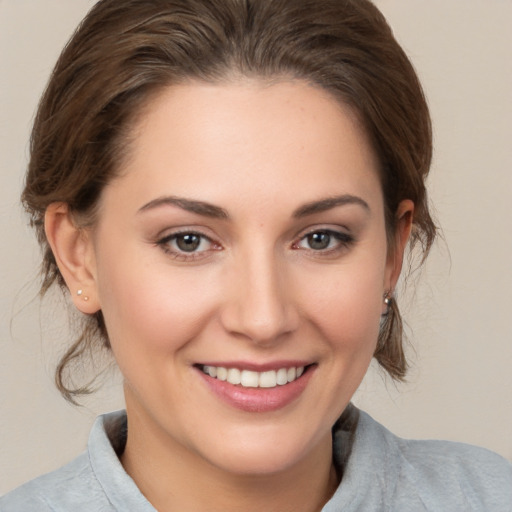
(342, 241)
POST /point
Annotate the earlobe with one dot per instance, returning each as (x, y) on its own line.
(73, 252)
(403, 226)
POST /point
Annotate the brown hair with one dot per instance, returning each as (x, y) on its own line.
(124, 52)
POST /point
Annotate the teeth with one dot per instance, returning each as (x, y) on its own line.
(234, 376)
(267, 380)
(282, 376)
(251, 379)
(291, 374)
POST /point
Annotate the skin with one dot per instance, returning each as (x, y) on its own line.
(254, 290)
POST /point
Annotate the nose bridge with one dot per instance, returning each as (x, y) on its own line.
(260, 306)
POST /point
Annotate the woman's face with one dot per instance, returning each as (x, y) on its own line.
(244, 239)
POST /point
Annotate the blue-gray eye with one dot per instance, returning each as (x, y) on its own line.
(319, 241)
(325, 240)
(189, 242)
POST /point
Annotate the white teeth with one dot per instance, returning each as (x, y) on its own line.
(249, 379)
(252, 379)
(234, 376)
(267, 379)
(282, 376)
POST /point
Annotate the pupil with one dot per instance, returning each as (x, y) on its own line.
(319, 241)
(188, 243)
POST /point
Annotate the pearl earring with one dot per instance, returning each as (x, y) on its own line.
(80, 293)
(388, 298)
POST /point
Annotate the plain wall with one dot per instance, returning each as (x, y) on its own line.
(460, 385)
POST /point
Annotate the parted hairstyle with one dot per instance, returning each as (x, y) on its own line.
(126, 51)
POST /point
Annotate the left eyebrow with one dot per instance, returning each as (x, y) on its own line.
(328, 204)
(189, 205)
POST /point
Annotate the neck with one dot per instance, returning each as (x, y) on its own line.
(173, 478)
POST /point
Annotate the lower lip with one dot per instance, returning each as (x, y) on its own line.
(258, 399)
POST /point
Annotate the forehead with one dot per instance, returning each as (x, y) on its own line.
(248, 137)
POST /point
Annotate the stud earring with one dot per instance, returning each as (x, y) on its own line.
(388, 299)
(80, 293)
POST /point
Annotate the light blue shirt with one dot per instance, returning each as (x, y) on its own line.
(383, 473)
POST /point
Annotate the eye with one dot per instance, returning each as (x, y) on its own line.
(187, 245)
(188, 242)
(319, 241)
(324, 240)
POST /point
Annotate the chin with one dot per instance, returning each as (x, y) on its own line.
(258, 463)
(265, 451)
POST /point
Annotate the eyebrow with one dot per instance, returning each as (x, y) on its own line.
(216, 212)
(190, 205)
(329, 203)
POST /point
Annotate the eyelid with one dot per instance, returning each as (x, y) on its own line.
(337, 229)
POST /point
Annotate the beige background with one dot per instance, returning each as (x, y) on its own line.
(460, 387)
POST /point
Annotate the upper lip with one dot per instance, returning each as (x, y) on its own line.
(257, 367)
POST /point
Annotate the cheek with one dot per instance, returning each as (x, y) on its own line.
(155, 309)
(346, 307)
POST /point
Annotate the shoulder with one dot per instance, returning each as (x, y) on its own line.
(385, 472)
(54, 491)
(479, 478)
(443, 472)
(92, 481)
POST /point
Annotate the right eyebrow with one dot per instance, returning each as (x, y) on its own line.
(190, 205)
(329, 203)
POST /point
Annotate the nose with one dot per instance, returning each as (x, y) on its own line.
(260, 304)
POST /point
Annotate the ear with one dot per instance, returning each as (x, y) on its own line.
(73, 251)
(403, 226)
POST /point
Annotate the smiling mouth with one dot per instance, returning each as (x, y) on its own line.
(253, 379)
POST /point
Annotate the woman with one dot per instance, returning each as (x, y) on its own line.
(226, 189)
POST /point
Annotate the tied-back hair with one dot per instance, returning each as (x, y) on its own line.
(125, 52)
